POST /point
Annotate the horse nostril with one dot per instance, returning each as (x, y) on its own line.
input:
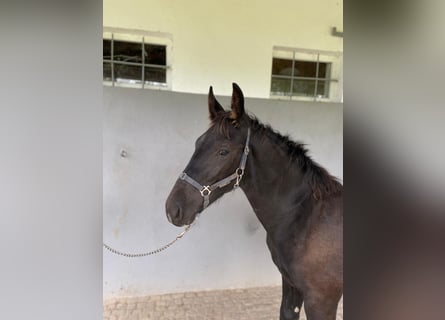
(174, 213)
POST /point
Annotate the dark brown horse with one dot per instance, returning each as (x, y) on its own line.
(298, 203)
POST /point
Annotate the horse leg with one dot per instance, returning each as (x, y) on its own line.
(291, 302)
(321, 306)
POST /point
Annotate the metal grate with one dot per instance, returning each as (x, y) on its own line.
(134, 63)
(301, 78)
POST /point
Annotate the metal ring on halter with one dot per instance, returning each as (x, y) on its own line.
(239, 175)
(205, 189)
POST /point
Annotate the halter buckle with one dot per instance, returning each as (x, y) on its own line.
(239, 175)
(205, 191)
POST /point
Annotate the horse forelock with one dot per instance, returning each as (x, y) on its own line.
(222, 123)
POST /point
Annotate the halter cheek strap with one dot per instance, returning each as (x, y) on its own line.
(238, 175)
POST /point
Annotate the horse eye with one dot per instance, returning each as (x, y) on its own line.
(223, 152)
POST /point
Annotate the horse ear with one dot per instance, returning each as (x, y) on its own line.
(214, 106)
(237, 102)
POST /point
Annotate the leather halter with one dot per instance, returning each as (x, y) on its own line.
(238, 175)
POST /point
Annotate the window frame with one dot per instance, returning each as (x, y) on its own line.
(142, 38)
(334, 81)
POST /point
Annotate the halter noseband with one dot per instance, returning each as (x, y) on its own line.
(238, 175)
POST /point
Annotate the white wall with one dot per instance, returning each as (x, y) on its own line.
(220, 42)
(227, 248)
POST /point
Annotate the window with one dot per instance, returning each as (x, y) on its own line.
(305, 75)
(128, 62)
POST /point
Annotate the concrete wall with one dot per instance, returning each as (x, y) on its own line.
(221, 42)
(226, 249)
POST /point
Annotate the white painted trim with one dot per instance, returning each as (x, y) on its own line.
(310, 51)
(138, 32)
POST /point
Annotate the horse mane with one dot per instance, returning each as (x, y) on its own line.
(317, 177)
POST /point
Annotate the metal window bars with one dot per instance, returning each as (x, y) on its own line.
(327, 79)
(126, 61)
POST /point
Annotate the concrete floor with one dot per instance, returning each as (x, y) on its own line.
(261, 303)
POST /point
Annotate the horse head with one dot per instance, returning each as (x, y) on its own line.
(216, 166)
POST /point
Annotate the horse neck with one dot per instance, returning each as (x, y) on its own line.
(273, 183)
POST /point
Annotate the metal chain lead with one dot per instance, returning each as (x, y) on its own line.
(137, 255)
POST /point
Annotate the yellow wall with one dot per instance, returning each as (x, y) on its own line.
(220, 42)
